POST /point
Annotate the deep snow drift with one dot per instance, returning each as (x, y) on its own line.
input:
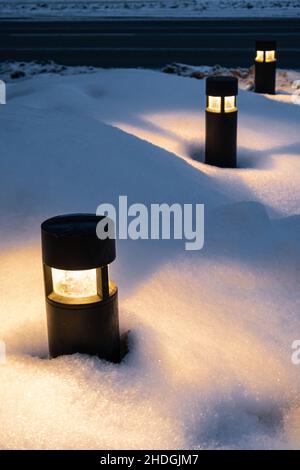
(211, 331)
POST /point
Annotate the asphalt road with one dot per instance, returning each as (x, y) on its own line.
(148, 42)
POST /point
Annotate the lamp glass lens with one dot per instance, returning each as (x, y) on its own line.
(74, 284)
(270, 56)
(259, 56)
(229, 104)
(214, 104)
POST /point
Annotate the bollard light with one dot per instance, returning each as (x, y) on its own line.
(221, 121)
(81, 300)
(265, 67)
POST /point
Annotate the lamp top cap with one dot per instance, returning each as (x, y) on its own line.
(265, 45)
(70, 242)
(221, 86)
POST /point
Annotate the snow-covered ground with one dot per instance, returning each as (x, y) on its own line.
(153, 8)
(211, 331)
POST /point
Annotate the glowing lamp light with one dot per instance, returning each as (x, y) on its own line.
(81, 300)
(214, 104)
(76, 285)
(265, 56)
(221, 121)
(265, 67)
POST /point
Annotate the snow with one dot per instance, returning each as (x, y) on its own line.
(210, 331)
(153, 8)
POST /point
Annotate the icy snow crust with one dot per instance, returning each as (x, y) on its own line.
(210, 331)
(153, 8)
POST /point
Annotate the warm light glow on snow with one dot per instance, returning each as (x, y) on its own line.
(199, 357)
(172, 131)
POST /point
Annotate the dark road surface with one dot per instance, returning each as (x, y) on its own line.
(148, 42)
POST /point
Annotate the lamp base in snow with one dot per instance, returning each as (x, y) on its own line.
(221, 139)
(87, 329)
(265, 77)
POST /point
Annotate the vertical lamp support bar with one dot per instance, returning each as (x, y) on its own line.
(221, 122)
(103, 282)
(265, 67)
(81, 302)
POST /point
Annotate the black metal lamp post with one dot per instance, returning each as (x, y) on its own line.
(221, 121)
(265, 67)
(81, 301)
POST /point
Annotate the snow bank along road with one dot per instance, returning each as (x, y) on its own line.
(155, 8)
(148, 42)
